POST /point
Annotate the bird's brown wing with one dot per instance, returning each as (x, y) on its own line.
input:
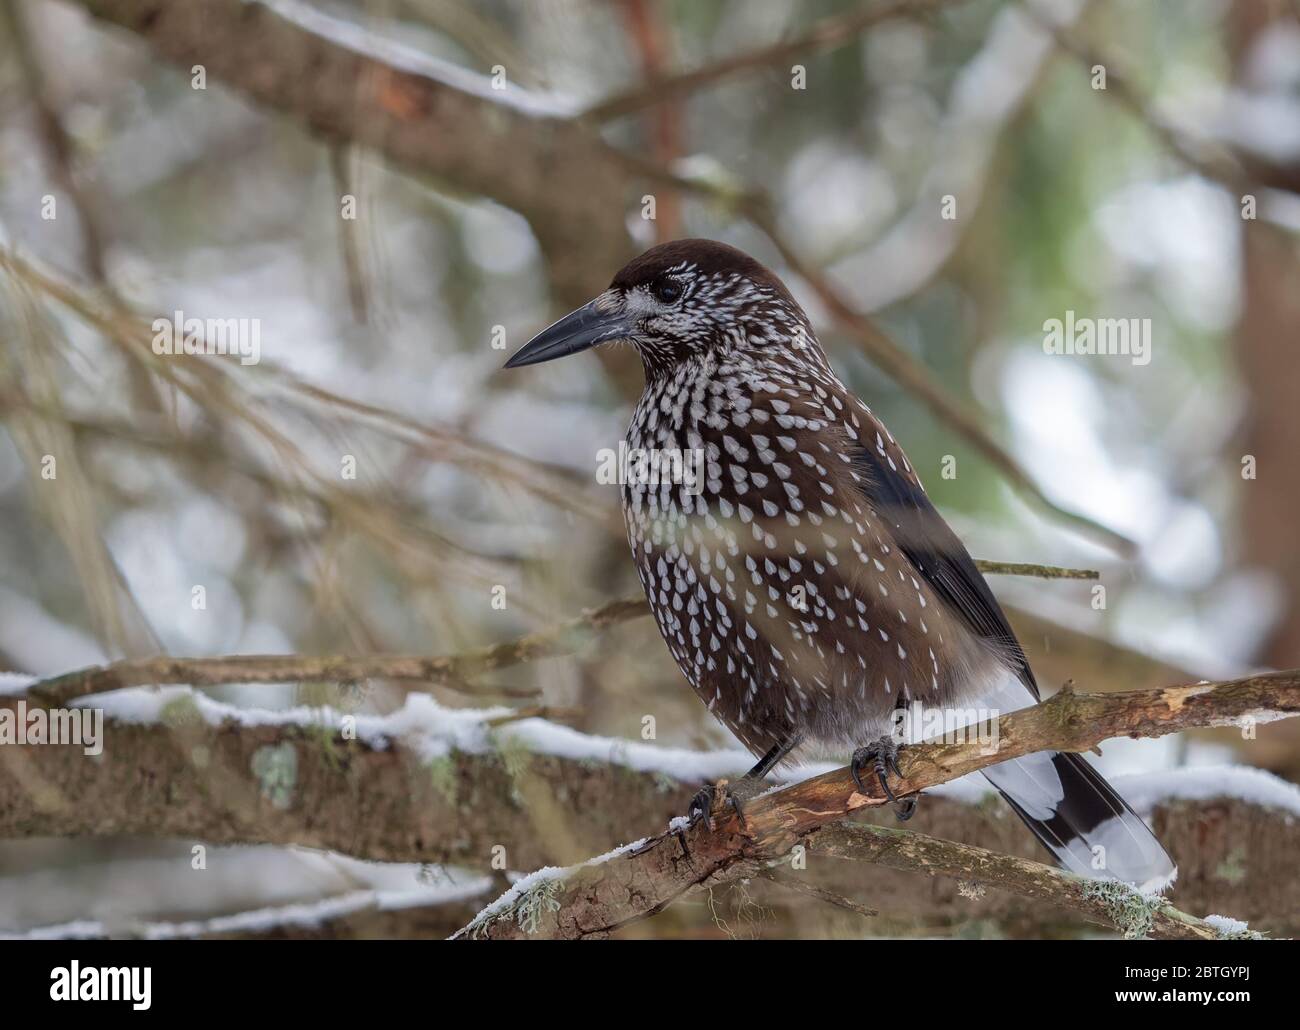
(896, 495)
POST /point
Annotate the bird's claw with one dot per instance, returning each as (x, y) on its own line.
(702, 804)
(881, 757)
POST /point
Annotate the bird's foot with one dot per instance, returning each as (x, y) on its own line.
(881, 757)
(717, 795)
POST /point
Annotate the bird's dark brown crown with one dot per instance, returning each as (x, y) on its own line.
(709, 257)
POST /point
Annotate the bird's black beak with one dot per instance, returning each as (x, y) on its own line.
(575, 332)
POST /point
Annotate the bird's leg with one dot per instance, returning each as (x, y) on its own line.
(881, 757)
(746, 787)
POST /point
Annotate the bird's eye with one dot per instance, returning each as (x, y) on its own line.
(666, 290)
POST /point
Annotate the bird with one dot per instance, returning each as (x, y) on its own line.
(802, 580)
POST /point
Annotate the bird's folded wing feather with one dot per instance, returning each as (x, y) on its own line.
(896, 495)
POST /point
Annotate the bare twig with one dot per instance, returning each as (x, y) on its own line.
(342, 159)
(450, 671)
(827, 34)
(57, 143)
(555, 484)
(649, 34)
(802, 886)
(1213, 159)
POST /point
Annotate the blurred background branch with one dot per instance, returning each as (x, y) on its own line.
(407, 107)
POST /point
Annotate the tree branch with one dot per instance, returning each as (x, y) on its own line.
(1108, 904)
(428, 785)
(802, 886)
(407, 788)
(432, 118)
(449, 671)
(1212, 159)
(827, 34)
(505, 144)
(598, 897)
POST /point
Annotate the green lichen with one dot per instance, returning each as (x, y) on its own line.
(990, 804)
(1131, 911)
(1060, 707)
(532, 906)
(527, 910)
(181, 713)
(514, 755)
(324, 734)
(442, 774)
(664, 784)
(352, 695)
(980, 930)
(1232, 869)
(316, 694)
(276, 769)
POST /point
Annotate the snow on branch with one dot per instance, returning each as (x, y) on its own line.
(432, 785)
(621, 887)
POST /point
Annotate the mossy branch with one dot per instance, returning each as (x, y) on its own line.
(598, 898)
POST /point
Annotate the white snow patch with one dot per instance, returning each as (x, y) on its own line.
(15, 684)
(1227, 925)
(422, 724)
(361, 40)
(548, 738)
(316, 913)
(1144, 791)
(432, 730)
(79, 929)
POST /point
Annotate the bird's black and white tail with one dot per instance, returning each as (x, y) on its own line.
(1090, 829)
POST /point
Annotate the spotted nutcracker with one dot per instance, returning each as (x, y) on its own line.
(804, 583)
